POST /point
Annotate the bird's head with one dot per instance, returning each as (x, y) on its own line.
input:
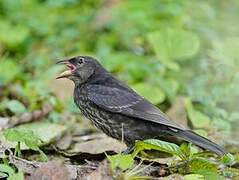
(80, 68)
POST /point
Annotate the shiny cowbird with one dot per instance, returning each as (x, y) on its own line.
(115, 108)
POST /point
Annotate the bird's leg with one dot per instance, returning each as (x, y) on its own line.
(129, 149)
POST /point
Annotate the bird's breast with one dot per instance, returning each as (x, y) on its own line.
(102, 119)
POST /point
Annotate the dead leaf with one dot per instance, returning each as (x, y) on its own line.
(103, 172)
(98, 146)
(65, 142)
(50, 171)
(4, 121)
(88, 137)
(172, 177)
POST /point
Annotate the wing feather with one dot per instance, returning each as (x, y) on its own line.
(129, 103)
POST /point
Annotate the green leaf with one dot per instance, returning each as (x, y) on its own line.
(121, 161)
(16, 106)
(11, 173)
(174, 44)
(204, 167)
(194, 177)
(24, 136)
(210, 175)
(201, 132)
(221, 124)
(17, 176)
(226, 51)
(156, 144)
(228, 159)
(6, 169)
(169, 87)
(153, 93)
(198, 119)
(185, 148)
(12, 34)
(45, 131)
(234, 116)
(8, 71)
(3, 175)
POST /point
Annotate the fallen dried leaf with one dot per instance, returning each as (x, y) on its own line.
(98, 146)
(172, 177)
(103, 172)
(50, 171)
(65, 142)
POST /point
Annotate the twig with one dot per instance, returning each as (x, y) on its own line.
(27, 116)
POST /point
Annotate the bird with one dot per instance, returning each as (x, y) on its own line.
(115, 108)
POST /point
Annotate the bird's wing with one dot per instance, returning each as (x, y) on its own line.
(127, 102)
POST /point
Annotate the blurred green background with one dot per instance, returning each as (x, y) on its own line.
(181, 55)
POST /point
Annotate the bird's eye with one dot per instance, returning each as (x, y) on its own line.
(80, 61)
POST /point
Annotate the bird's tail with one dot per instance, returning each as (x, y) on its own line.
(200, 141)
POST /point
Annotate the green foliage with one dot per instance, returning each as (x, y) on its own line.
(152, 93)
(173, 44)
(16, 107)
(228, 159)
(9, 70)
(121, 161)
(198, 119)
(12, 175)
(45, 132)
(198, 165)
(193, 162)
(12, 35)
(25, 136)
(157, 145)
(163, 49)
(194, 177)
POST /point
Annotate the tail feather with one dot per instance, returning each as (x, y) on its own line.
(200, 141)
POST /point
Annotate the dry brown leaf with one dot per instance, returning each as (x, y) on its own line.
(51, 171)
(103, 172)
(65, 142)
(172, 177)
(98, 146)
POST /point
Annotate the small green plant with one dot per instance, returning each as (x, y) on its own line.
(10, 173)
(124, 168)
(191, 162)
(121, 161)
(158, 145)
(27, 137)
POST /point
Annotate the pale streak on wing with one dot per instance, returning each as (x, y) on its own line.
(127, 102)
(112, 98)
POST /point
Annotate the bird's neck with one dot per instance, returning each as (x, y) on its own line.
(97, 78)
(103, 78)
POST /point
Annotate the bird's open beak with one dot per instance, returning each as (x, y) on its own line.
(68, 72)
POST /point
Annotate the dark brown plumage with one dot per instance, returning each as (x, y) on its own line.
(111, 105)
